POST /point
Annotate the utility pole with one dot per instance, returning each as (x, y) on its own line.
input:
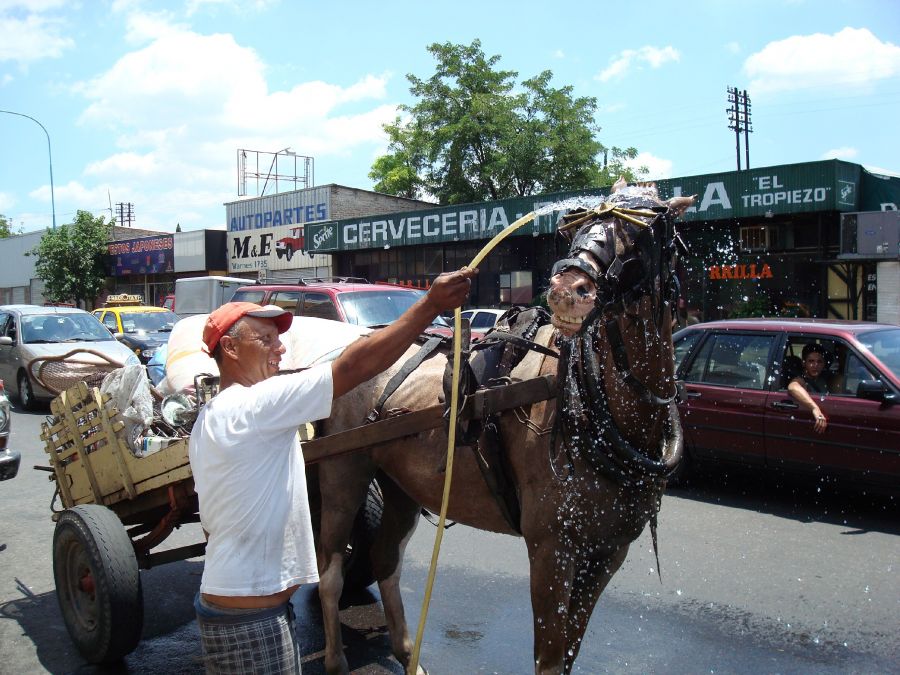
(126, 213)
(738, 121)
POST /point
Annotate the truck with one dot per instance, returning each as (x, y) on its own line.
(201, 295)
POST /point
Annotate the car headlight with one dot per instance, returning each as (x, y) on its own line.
(132, 360)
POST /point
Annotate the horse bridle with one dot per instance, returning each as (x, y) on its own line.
(623, 279)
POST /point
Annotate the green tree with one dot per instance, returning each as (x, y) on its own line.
(474, 134)
(6, 227)
(70, 259)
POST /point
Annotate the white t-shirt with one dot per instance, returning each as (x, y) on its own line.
(251, 482)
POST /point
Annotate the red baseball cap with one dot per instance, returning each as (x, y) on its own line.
(222, 319)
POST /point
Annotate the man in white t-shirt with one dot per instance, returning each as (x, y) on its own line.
(249, 473)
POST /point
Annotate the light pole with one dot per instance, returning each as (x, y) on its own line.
(49, 154)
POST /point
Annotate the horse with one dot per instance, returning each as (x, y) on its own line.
(588, 469)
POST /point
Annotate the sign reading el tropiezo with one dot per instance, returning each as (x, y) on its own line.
(765, 192)
(148, 255)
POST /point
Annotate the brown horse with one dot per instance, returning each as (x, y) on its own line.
(588, 469)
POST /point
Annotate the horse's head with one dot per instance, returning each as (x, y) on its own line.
(620, 250)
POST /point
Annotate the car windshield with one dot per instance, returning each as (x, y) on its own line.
(375, 308)
(885, 345)
(148, 322)
(69, 327)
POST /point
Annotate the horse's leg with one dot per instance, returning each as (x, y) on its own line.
(398, 522)
(551, 576)
(588, 583)
(343, 486)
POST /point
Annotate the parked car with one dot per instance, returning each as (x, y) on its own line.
(349, 299)
(143, 329)
(482, 319)
(736, 408)
(9, 458)
(29, 333)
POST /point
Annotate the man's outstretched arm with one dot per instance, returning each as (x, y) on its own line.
(374, 353)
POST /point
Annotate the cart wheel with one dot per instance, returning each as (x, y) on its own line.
(357, 559)
(98, 584)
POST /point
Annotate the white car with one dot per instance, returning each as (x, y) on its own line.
(482, 319)
(29, 334)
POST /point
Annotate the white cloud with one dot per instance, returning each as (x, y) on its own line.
(733, 47)
(7, 201)
(27, 36)
(182, 104)
(652, 56)
(559, 54)
(657, 167)
(853, 56)
(840, 153)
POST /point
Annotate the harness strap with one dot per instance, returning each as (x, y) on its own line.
(501, 336)
(394, 383)
(577, 263)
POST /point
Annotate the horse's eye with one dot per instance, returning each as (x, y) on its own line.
(583, 291)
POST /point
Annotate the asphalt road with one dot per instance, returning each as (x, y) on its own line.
(756, 578)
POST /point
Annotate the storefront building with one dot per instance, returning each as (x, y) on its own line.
(266, 235)
(149, 266)
(763, 241)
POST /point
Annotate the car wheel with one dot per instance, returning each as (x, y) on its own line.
(289, 252)
(26, 392)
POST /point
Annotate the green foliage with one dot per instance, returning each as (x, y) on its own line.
(70, 259)
(475, 134)
(6, 227)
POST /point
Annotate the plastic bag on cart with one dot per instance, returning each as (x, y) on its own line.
(129, 391)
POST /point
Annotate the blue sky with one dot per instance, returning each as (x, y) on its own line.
(148, 102)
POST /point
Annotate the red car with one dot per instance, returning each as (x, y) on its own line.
(736, 409)
(338, 298)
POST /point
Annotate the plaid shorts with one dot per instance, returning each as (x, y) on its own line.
(239, 641)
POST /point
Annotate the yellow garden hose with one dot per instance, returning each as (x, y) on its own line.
(451, 440)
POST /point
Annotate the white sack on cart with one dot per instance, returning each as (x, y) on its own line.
(129, 392)
(308, 341)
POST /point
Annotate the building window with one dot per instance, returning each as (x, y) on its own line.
(759, 238)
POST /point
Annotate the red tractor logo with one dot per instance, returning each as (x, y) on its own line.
(287, 246)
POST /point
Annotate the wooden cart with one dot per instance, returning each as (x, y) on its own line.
(118, 507)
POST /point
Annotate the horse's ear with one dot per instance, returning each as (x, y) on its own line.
(681, 204)
(620, 184)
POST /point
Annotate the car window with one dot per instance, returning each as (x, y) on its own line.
(109, 320)
(834, 351)
(851, 373)
(374, 308)
(8, 326)
(467, 314)
(683, 344)
(732, 360)
(148, 322)
(74, 327)
(484, 320)
(885, 345)
(249, 296)
(288, 300)
(319, 305)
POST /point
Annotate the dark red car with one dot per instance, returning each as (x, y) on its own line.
(338, 298)
(736, 408)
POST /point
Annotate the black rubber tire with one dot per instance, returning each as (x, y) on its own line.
(26, 391)
(104, 619)
(358, 572)
(289, 252)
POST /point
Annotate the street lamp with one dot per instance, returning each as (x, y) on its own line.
(50, 155)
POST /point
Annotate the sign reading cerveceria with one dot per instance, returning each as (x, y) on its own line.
(830, 185)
